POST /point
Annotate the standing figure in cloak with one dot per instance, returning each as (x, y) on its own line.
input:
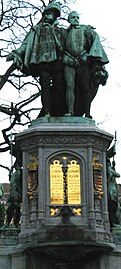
(40, 55)
(112, 193)
(15, 197)
(84, 61)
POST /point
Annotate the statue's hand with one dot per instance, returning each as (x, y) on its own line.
(10, 57)
(16, 59)
(84, 58)
(76, 63)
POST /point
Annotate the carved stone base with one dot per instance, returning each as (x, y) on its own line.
(9, 235)
(65, 256)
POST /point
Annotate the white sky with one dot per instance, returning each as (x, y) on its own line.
(106, 107)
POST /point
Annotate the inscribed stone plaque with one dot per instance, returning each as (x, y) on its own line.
(74, 196)
(56, 182)
(73, 185)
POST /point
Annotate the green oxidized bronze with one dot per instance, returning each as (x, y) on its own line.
(84, 60)
(15, 197)
(112, 194)
(69, 62)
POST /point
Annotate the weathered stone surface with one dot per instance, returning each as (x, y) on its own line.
(49, 242)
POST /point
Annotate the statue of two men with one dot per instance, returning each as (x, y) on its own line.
(69, 62)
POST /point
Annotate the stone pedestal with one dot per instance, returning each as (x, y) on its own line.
(11, 255)
(65, 220)
(64, 141)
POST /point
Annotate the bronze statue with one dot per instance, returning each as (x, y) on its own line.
(1, 190)
(49, 51)
(2, 208)
(84, 60)
(112, 193)
(15, 197)
(40, 55)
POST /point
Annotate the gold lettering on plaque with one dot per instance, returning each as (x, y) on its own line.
(56, 182)
(74, 196)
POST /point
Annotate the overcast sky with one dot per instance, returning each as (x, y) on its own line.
(106, 107)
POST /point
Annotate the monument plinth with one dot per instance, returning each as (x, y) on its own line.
(64, 186)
